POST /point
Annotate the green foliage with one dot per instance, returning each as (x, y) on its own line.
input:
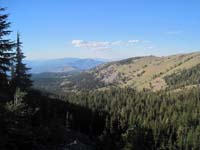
(35, 121)
(6, 47)
(115, 118)
(183, 78)
(17, 104)
(21, 77)
(84, 80)
(128, 61)
(66, 82)
(148, 120)
(138, 138)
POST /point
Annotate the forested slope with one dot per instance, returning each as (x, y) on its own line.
(184, 78)
(145, 120)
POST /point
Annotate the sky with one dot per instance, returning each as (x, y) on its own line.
(109, 29)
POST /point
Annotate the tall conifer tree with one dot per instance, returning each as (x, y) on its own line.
(21, 77)
(6, 47)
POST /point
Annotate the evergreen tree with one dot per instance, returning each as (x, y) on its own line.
(21, 78)
(6, 46)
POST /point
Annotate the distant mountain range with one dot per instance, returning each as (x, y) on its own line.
(149, 72)
(63, 65)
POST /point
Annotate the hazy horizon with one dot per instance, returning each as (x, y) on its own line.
(104, 59)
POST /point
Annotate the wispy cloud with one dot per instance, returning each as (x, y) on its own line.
(102, 45)
(133, 41)
(91, 44)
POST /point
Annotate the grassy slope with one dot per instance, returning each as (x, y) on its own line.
(145, 72)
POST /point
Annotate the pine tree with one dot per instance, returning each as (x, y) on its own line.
(21, 78)
(6, 46)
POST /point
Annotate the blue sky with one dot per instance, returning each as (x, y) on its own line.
(111, 29)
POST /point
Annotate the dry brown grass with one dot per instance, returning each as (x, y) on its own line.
(146, 72)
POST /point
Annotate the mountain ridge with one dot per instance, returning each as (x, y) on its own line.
(146, 72)
(140, 71)
(62, 65)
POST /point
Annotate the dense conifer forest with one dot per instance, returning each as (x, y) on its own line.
(109, 119)
(184, 78)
